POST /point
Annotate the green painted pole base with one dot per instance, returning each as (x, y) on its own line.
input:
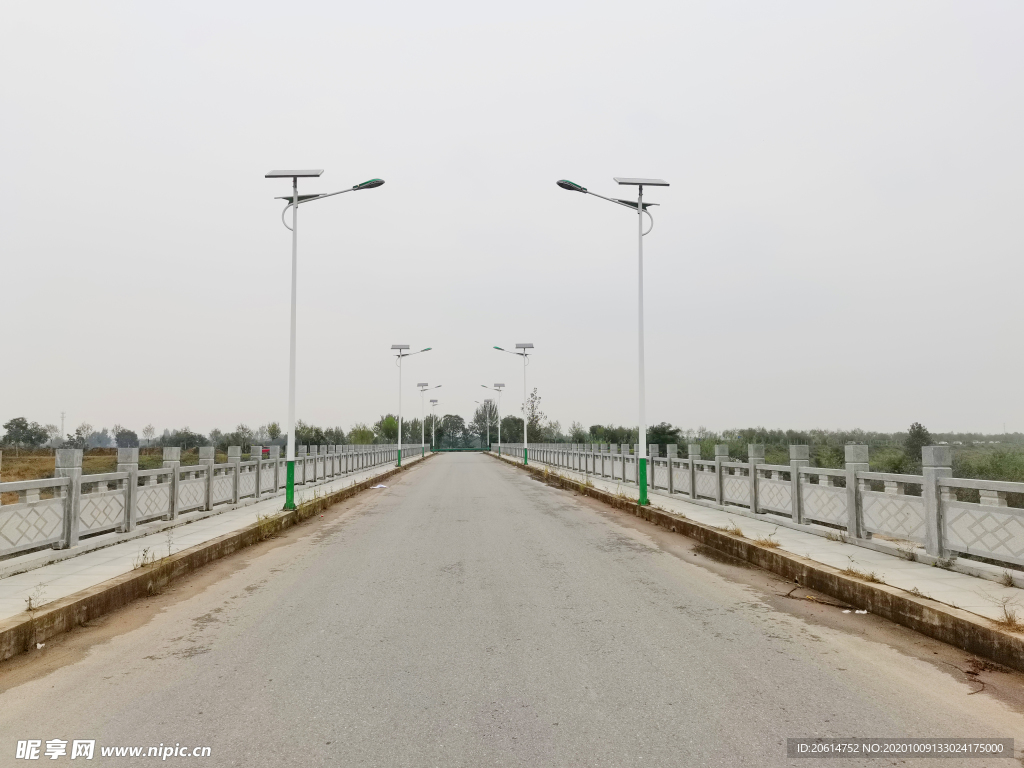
(526, 458)
(641, 473)
(399, 457)
(423, 451)
(289, 488)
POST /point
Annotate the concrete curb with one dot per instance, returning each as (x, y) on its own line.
(956, 627)
(18, 633)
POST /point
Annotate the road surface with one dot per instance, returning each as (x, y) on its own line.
(470, 615)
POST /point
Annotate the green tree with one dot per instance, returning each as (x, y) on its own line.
(386, 428)
(577, 434)
(360, 434)
(22, 434)
(511, 429)
(535, 417)
(455, 433)
(274, 430)
(126, 438)
(663, 434)
(917, 438)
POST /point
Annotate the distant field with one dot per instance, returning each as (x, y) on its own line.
(40, 464)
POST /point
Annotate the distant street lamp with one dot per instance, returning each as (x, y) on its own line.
(295, 201)
(398, 361)
(497, 388)
(433, 423)
(526, 361)
(487, 417)
(423, 419)
(641, 208)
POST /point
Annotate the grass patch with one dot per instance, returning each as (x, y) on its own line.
(1007, 579)
(1008, 618)
(837, 536)
(144, 558)
(732, 528)
(855, 572)
(767, 541)
(264, 526)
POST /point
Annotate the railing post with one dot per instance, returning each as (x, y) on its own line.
(799, 456)
(856, 461)
(172, 460)
(671, 451)
(128, 461)
(653, 449)
(256, 454)
(937, 461)
(68, 463)
(235, 459)
(301, 462)
(207, 458)
(755, 455)
(275, 456)
(693, 454)
(721, 454)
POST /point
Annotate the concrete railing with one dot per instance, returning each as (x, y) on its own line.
(926, 509)
(56, 512)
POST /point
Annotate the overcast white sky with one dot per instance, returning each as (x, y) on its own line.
(841, 245)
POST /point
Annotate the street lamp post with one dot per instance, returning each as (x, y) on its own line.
(295, 200)
(487, 417)
(497, 388)
(641, 208)
(423, 419)
(526, 361)
(398, 361)
(433, 423)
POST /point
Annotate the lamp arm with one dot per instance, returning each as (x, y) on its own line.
(309, 200)
(610, 200)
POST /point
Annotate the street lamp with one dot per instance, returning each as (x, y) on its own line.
(526, 361)
(295, 201)
(423, 419)
(398, 361)
(641, 208)
(433, 424)
(497, 388)
(487, 417)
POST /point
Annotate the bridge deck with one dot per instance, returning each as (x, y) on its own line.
(470, 615)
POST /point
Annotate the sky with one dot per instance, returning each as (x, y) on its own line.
(840, 247)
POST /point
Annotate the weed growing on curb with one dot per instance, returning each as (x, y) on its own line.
(857, 573)
(144, 558)
(732, 528)
(837, 536)
(907, 550)
(170, 540)
(264, 526)
(1009, 607)
(1006, 579)
(768, 541)
(946, 563)
(35, 601)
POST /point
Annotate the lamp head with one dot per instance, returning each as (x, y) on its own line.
(572, 186)
(369, 184)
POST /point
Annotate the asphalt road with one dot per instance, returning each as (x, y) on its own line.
(470, 615)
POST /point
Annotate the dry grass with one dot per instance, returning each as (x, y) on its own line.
(837, 536)
(768, 541)
(144, 558)
(1009, 619)
(857, 573)
(732, 528)
(1007, 579)
(907, 550)
(40, 465)
(264, 526)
